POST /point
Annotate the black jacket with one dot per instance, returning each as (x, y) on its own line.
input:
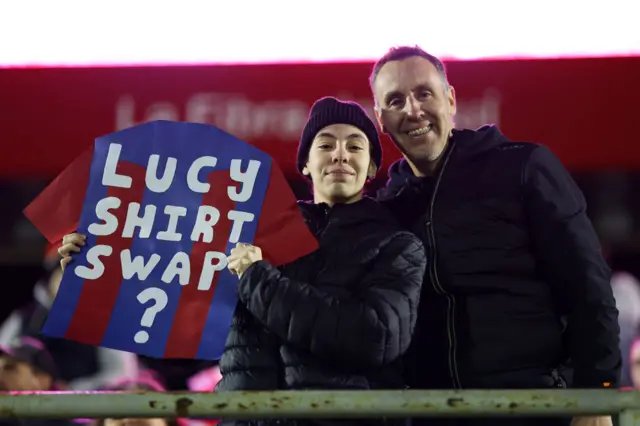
(339, 318)
(517, 285)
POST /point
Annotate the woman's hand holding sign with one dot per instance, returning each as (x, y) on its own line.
(70, 244)
(243, 256)
(239, 259)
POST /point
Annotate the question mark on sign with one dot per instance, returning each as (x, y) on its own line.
(160, 300)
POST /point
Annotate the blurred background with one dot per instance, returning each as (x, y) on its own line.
(568, 80)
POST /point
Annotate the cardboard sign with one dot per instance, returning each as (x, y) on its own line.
(162, 205)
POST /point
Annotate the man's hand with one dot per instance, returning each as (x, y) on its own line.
(592, 421)
(241, 257)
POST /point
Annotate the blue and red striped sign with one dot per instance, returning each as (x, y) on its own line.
(164, 204)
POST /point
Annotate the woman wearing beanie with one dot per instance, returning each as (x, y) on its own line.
(341, 317)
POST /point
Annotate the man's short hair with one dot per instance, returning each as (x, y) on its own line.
(404, 52)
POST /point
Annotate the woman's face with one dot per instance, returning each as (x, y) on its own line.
(339, 164)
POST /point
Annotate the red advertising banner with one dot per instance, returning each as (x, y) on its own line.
(584, 109)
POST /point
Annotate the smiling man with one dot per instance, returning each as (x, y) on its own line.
(517, 292)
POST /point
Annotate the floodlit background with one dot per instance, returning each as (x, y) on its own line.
(127, 32)
(563, 73)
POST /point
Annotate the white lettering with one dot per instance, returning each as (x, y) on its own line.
(125, 112)
(239, 218)
(102, 212)
(93, 257)
(472, 113)
(151, 178)
(174, 213)
(208, 217)
(133, 221)
(136, 266)
(281, 120)
(192, 175)
(209, 269)
(180, 266)
(246, 179)
(109, 176)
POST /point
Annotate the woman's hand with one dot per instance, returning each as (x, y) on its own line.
(241, 257)
(70, 244)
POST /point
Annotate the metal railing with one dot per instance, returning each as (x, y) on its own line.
(323, 404)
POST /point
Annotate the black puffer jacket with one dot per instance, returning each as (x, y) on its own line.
(339, 318)
(517, 285)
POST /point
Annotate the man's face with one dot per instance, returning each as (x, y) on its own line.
(16, 375)
(415, 107)
(338, 164)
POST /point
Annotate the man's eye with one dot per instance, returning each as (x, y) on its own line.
(396, 103)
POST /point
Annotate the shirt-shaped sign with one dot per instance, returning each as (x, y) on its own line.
(162, 204)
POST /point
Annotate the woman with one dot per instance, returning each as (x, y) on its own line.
(341, 317)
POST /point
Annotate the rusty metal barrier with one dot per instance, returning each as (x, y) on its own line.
(322, 404)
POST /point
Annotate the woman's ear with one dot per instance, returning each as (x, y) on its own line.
(305, 171)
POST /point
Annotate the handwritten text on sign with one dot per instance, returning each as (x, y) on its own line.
(203, 229)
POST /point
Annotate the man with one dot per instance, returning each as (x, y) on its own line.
(517, 292)
(626, 291)
(26, 365)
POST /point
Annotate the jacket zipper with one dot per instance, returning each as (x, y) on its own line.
(435, 282)
(327, 211)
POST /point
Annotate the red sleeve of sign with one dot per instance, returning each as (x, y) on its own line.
(282, 233)
(56, 211)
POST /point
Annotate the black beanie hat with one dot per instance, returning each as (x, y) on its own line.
(327, 111)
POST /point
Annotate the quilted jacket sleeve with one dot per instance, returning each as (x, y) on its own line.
(250, 357)
(370, 327)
